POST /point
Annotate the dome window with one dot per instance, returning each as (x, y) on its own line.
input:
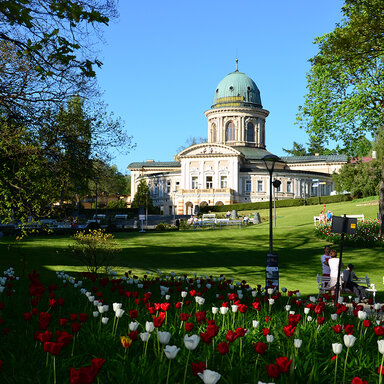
(231, 88)
(217, 90)
(230, 132)
(250, 133)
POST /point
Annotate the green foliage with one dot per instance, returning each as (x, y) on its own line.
(360, 179)
(297, 150)
(346, 82)
(165, 227)
(116, 204)
(94, 248)
(367, 234)
(142, 196)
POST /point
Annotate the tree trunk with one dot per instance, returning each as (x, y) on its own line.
(381, 199)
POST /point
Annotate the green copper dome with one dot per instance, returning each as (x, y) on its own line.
(237, 90)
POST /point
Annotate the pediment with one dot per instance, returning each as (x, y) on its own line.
(208, 150)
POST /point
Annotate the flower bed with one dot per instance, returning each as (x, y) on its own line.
(175, 329)
(367, 234)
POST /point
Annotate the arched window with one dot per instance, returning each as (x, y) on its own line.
(213, 127)
(230, 132)
(250, 132)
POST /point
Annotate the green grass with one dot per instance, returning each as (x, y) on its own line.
(237, 253)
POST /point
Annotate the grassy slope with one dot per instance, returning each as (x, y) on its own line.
(237, 253)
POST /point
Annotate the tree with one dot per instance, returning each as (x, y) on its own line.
(192, 140)
(345, 99)
(360, 179)
(142, 196)
(297, 150)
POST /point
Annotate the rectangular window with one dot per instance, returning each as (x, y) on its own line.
(248, 186)
(259, 185)
(177, 185)
(209, 183)
(168, 187)
(195, 183)
(223, 181)
(289, 186)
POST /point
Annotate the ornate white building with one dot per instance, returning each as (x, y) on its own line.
(229, 167)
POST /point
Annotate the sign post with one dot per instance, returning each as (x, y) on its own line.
(343, 225)
(142, 217)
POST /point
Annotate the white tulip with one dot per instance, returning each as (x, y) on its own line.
(307, 310)
(119, 313)
(312, 299)
(297, 343)
(96, 303)
(164, 337)
(167, 297)
(377, 306)
(144, 336)
(106, 308)
(133, 325)
(95, 314)
(255, 323)
(184, 294)
(223, 310)
(271, 301)
(171, 351)
(380, 344)
(149, 327)
(269, 338)
(117, 306)
(292, 312)
(357, 300)
(191, 342)
(334, 316)
(337, 348)
(349, 340)
(362, 315)
(270, 291)
(287, 308)
(104, 320)
(234, 308)
(100, 308)
(309, 318)
(215, 310)
(91, 298)
(209, 377)
(298, 294)
(254, 293)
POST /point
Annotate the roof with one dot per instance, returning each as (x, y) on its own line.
(313, 159)
(155, 164)
(237, 90)
(252, 153)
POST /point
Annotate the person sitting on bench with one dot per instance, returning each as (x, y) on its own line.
(348, 277)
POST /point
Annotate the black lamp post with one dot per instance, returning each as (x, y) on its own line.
(272, 266)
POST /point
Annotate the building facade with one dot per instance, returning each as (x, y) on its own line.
(229, 167)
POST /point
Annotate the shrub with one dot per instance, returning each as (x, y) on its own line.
(94, 248)
(367, 234)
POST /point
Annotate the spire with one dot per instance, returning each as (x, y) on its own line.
(237, 65)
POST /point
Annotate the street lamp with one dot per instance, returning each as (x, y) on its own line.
(272, 266)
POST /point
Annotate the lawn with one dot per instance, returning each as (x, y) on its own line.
(236, 253)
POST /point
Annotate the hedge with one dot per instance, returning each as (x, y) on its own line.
(279, 203)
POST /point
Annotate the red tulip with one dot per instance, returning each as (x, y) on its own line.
(265, 331)
(257, 305)
(73, 316)
(189, 326)
(348, 329)
(273, 371)
(380, 371)
(357, 380)
(133, 313)
(289, 330)
(63, 322)
(320, 319)
(53, 348)
(379, 330)
(27, 316)
(63, 337)
(83, 317)
(337, 328)
(231, 336)
(242, 308)
(367, 323)
(198, 368)
(223, 348)
(283, 363)
(201, 316)
(184, 316)
(206, 337)
(76, 327)
(133, 335)
(260, 347)
(241, 331)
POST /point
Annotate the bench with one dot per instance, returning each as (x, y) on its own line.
(316, 219)
(323, 283)
(209, 216)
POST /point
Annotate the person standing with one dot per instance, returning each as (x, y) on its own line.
(324, 261)
(333, 263)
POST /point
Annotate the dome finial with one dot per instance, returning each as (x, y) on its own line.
(237, 65)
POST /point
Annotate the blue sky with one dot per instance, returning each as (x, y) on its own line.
(164, 60)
